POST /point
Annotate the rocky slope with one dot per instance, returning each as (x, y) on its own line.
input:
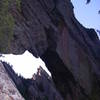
(40, 87)
(48, 29)
(8, 90)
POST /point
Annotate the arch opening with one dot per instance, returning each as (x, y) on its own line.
(25, 64)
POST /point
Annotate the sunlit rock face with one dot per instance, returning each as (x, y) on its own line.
(8, 90)
(48, 29)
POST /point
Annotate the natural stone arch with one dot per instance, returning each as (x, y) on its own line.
(48, 29)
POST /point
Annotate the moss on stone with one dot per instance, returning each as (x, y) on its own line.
(95, 95)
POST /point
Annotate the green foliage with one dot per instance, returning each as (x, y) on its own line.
(99, 12)
(6, 25)
(95, 95)
(45, 98)
(18, 4)
(88, 1)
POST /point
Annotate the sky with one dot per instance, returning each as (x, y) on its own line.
(87, 14)
(26, 64)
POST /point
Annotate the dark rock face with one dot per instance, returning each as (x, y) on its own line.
(60, 75)
(40, 87)
(48, 29)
